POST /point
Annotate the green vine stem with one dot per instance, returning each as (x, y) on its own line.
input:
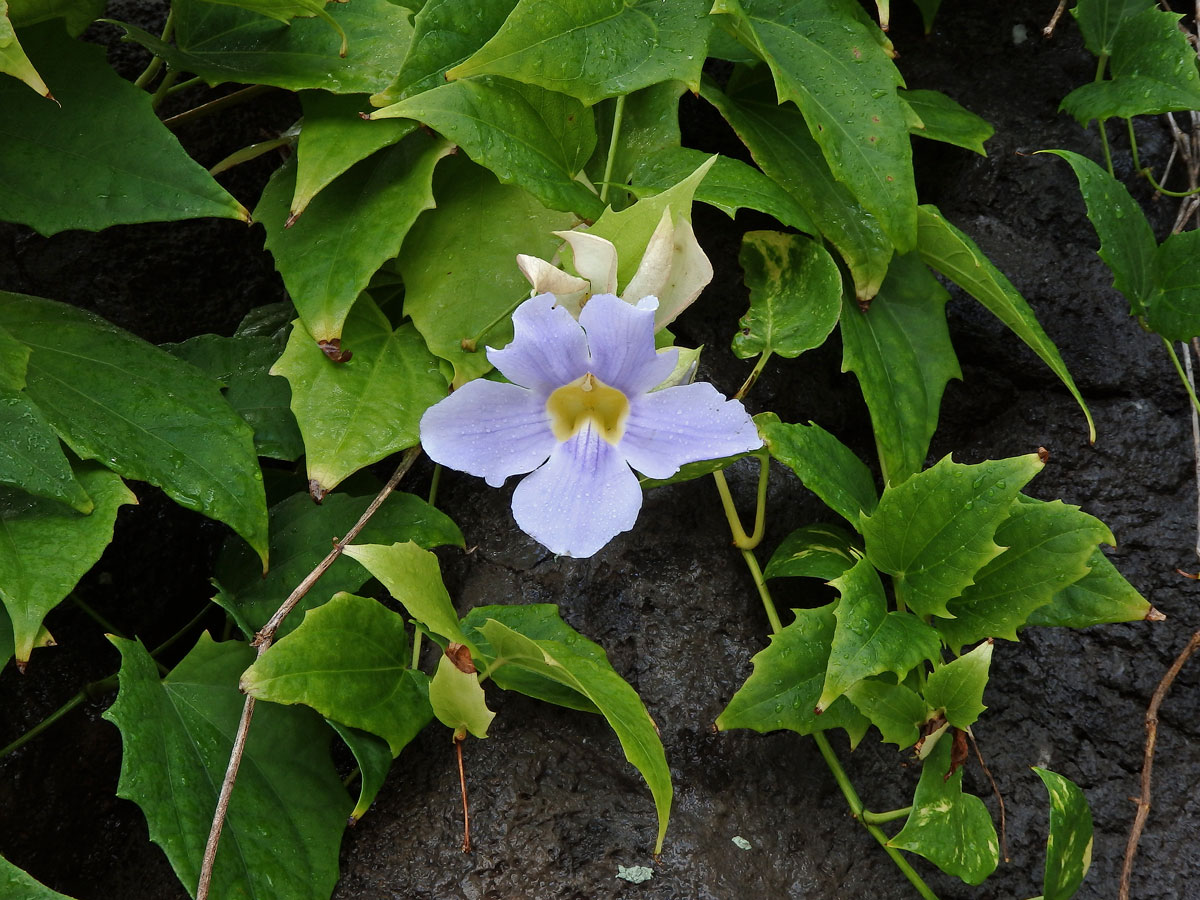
(835, 767)
(1148, 174)
(880, 818)
(254, 151)
(741, 540)
(1182, 376)
(618, 115)
(207, 109)
(1101, 65)
(434, 482)
(156, 63)
(163, 86)
(753, 376)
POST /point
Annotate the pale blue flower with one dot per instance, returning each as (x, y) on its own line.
(580, 410)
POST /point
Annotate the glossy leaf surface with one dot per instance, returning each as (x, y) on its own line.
(814, 551)
(1174, 309)
(15, 882)
(354, 413)
(957, 687)
(1101, 20)
(348, 660)
(46, 547)
(933, 533)
(13, 60)
(31, 457)
(795, 295)
(946, 249)
(141, 412)
(55, 175)
(349, 230)
(457, 700)
(827, 467)
(892, 708)
(281, 836)
(1099, 597)
(900, 351)
(944, 119)
(1069, 846)
(301, 532)
(592, 49)
(374, 759)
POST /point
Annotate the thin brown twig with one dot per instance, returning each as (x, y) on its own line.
(1143, 802)
(263, 641)
(462, 781)
(996, 791)
(1048, 31)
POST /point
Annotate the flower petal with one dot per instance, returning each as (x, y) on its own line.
(680, 425)
(548, 349)
(488, 429)
(621, 339)
(677, 281)
(595, 259)
(581, 499)
(655, 265)
(548, 279)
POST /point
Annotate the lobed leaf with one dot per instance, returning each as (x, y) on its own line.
(827, 467)
(526, 135)
(357, 412)
(899, 349)
(1069, 845)
(301, 532)
(45, 548)
(892, 708)
(460, 276)
(1099, 597)
(868, 639)
(795, 295)
(946, 249)
(1173, 310)
(1101, 21)
(281, 834)
(140, 411)
(374, 759)
(31, 458)
(814, 551)
(458, 701)
(611, 694)
(933, 533)
(350, 661)
(13, 60)
(55, 175)
(957, 687)
(778, 140)
(783, 689)
(945, 119)
(592, 49)
(949, 828)
(352, 227)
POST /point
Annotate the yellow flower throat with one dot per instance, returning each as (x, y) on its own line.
(585, 399)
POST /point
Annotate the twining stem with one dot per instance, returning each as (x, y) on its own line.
(418, 635)
(880, 818)
(1101, 64)
(156, 63)
(618, 115)
(753, 376)
(263, 641)
(163, 86)
(831, 760)
(1149, 175)
(740, 539)
(1182, 375)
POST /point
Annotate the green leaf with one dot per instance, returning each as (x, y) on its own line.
(1099, 597)
(1153, 69)
(1049, 546)
(1069, 845)
(374, 759)
(957, 687)
(783, 689)
(349, 660)
(892, 708)
(14, 362)
(900, 350)
(778, 140)
(949, 828)
(944, 119)
(222, 43)
(413, 577)
(826, 60)
(1127, 243)
(827, 467)
(795, 295)
(616, 700)
(16, 882)
(357, 412)
(45, 548)
(282, 831)
(242, 363)
(76, 14)
(1173, 310)
(536, 139)
(54, 173)
(31, 457)
(13, 60)
(140, 411)
(460, 277)
(649, 129)
(446, 32)
(933, 533)
(729, 186)
(814, 551)
(539, 621)
(333, 137)
(6, 638)
(868, 639)
(592, 49)
(352, 227)
(1101, 21)
(301, 532)
(692, 471)
(457, 700)
(946, 249)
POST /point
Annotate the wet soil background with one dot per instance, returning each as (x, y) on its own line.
(555, 808)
